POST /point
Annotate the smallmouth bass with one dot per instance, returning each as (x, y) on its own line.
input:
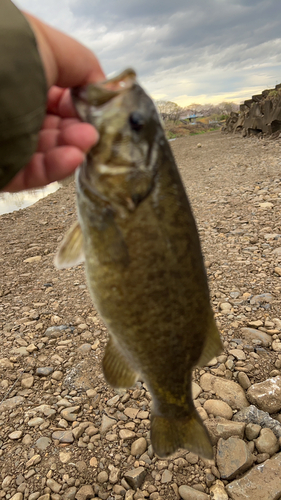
(143, 260)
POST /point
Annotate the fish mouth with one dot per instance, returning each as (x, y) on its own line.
(99, 93)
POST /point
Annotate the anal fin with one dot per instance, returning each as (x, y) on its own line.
(170, 434)
(116, 369)
(70, 252)
(213, 345)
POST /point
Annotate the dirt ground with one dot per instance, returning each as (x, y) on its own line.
(64, 433)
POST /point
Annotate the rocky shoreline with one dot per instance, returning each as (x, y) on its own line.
(64, 433)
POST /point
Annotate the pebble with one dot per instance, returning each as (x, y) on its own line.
(106, 423)
(135, 477)
(53, 485)
(15, 435)
(167, 476)
(139, 446)
(27, 382)
(102, 477)
(44, 371)
(34, 422)
(63, 436)
(85, 492)
(218, 491)
(252, 431)
(126, 434)
(238, 354)
(42, 443)
(70, 413)
(11, 403)
(230, 392)
(188, 493)
(65, 456)
(218, 408)
(244, 380)
(267, 442)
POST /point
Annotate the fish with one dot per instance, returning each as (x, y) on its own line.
(137, 235)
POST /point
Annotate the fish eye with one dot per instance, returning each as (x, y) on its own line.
(136, 121)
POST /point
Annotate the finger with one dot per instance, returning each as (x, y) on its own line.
(80, 135)
(45, 168)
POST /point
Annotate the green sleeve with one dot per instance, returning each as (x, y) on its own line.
(23, 92)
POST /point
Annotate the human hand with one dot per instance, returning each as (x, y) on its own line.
(63, 139)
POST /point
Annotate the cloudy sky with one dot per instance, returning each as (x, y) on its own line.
(183, 50)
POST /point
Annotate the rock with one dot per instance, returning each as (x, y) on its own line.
(196, 390)
(233, 457)
(42, 443)
(262, 298)
(262, 418)
(238, 354)
(57, 375)
(36, 459)
(102, 477)
(114, 474)
(20, 351)
(244, 380)
(53, 485)
(218, 492)
(267, 442)
(252, 431)
(44, 371)
(27, 382)
(85, 493)
(69, 494)
(227, 390)
(252, 333)
(70, 414)
(15, 435)
(34, 259)
(84, 348)
(224, 429)
(188, 493)
(131, 412)
(135, 477)
(126, 434)
(276, 345)
(11, 403)
(63, 436)
(54, 332)
(139, 446)
(218, 408)
(106, 423)
(17, 496)
(260, 483)
(266, 395)
(6, 364)
(167, 476)
(34, 422)
(65, 456)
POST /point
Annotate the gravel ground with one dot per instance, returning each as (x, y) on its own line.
(64, 433)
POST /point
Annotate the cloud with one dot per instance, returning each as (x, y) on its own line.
(181, 49)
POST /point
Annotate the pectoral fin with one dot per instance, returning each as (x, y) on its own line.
(213, 345)
(71, 251)
(116, 369)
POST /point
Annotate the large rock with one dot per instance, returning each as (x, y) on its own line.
(266, 395)
(252, 415)
(224, 429)
(233, 457)
(262, 482)
(227, 390)
(254, 334)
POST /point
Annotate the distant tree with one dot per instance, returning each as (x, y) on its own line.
(169, 110)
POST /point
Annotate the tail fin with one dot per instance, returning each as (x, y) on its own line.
(170, 434)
